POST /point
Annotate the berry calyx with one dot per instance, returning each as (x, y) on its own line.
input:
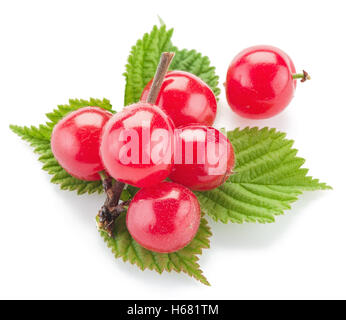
(261, 81)
(137, 145)
(185, 98)
(164, 218)
(75, 142)
(203, 157)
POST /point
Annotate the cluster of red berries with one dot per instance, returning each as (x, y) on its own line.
(165, 216)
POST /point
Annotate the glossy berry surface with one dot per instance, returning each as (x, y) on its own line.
(203, 157)
(185, 98)
(137, 145)
(76, 142)
(164, 218)
(259, 82)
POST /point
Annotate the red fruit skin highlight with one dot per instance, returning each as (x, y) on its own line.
(259, 82)
(75, 142)
(164, 218)
(196, 174)
(137, 166)
(185, 98)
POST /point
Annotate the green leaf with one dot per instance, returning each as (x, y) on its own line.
(39, 139)
(143, 61)
(185, 260)
(194, 62)
(145, 56)
(269, 177)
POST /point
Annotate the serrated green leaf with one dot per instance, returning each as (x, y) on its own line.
(39, 139)
(193, 61)
(74, 104)
(145, 56)
(185, 260)
(143, 61)
(269, 177)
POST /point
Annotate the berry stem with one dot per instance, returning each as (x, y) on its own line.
(303, 76)
(111, 208)
(162, 68)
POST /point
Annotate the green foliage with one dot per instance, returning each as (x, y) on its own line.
(143, 61)
(196, 63)
(268, 178)
(185, 260)
(39, 139)
(145, 56)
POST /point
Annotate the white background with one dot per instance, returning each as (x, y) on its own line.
(51, 51)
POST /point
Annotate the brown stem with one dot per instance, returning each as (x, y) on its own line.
(162, 68)
(303, 76)
(116, 190)
(111, 209)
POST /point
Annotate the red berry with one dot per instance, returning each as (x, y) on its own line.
(76, 142)
(137, 145)
(163, 218)
(185, 98)
(259, 82)
(203, 157)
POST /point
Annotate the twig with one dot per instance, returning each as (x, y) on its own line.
(111, 209)
(162, 68)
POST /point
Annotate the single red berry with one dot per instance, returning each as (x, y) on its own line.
(137, 145)
(185, 98)
(164, 218)
(261, 82)
(76, 142)
(203, 157)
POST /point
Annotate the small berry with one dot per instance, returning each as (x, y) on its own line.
(137, 145)
(185, 98)
(203, 157)
(261, 81)
(164, 218)
(76, 142)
